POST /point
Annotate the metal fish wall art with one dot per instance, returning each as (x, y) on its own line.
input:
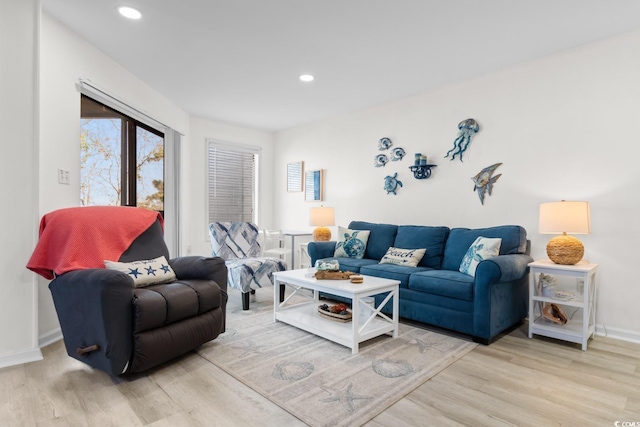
(484, 180)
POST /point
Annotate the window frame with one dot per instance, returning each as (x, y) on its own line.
(129, 152)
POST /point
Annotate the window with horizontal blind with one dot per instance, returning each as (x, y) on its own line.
(232, 182)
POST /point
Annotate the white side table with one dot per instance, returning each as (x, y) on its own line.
(579, 280)
(305, 259)
(292, 235)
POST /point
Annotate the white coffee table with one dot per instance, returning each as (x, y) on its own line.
(304, 315)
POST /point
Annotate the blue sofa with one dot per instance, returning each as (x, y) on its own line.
(435, 292)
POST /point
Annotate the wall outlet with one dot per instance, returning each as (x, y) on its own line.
(63, 176)
(580, 285)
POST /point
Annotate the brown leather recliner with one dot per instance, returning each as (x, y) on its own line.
(118, 328)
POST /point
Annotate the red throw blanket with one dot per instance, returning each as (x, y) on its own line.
(83, 237)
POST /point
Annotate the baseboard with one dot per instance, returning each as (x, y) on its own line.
(49, 338)
(618, 333)
(11, 359)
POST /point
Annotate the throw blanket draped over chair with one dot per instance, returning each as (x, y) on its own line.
(65, 235)
(238, 244)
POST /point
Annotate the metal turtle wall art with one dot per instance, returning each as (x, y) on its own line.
(484, 180)
(391, 183)
(466, 129)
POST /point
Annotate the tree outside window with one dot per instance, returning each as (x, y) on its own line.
(121, 159)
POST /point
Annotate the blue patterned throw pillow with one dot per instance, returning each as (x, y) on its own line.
(483, 248)
(352, 243)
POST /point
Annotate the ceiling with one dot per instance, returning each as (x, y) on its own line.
(238, 61)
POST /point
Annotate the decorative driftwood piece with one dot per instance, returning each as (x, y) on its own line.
(333, 275)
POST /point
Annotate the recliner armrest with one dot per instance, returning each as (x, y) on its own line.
(200, 267)
(94, 308)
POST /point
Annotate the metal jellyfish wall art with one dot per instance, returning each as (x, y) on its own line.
(467, 128)
(484, 180)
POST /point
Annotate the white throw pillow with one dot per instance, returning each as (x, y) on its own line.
(406, 257)
(351, 243)
(145, 272)
(483, 248)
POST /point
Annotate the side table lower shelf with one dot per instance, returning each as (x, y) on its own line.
(571, 332)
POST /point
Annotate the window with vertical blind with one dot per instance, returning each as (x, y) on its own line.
(232, 183)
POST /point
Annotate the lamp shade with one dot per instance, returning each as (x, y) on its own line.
(321, 218)
(564, 217)
(561, 218)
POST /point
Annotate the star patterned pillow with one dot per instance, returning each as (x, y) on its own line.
(145, 272)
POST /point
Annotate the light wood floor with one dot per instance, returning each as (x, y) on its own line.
(513, 382)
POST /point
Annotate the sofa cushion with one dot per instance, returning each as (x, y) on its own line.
(351, 243)
(353, 264)
(381, 237)
(451, 284)
(392, 271)
(514, 241)
(406, 257)
(418, 236)
(482, 248)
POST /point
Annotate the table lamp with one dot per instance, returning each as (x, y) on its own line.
(561, 218)
(321, 218)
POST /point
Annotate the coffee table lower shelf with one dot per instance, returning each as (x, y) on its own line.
(307, 318)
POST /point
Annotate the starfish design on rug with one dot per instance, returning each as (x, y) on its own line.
(424, 346)
(345, 396)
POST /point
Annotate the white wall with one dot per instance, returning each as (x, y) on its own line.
(19, 27)
(195, 231)
(564, 127)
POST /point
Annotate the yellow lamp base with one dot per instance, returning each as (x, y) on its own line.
(565, 250)
(321, 234)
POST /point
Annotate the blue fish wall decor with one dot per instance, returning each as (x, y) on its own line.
(484, 180)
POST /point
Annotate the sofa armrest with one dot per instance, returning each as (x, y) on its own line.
(510, 267)
(320, 250)
(94, 308)
(199, 267)
(500, 294)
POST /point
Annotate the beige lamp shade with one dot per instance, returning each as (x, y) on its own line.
(321, 218)
(562, 218)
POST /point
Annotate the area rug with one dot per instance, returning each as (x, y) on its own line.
(321, 382)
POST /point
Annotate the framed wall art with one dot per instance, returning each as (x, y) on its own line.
(313, 185)
(294, 176)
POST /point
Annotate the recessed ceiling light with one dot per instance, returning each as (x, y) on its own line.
(129, 12)
(306, 77)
